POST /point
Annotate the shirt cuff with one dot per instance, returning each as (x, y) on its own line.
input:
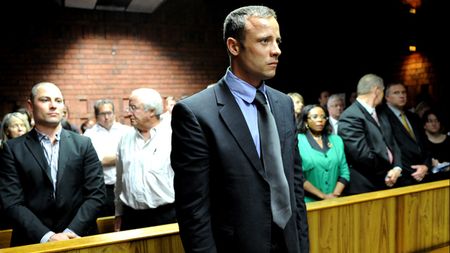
(67, 230)
(343, 181)
(399, 169)
(47, 236)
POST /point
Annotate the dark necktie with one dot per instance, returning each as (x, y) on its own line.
(273, 165)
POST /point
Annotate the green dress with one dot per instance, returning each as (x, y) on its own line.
(323, 169)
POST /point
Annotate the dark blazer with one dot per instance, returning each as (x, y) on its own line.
(26, 188)
(222, 193)
(365, 146)
(413, 150)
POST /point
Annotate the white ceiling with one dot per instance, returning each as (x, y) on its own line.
(142, 6)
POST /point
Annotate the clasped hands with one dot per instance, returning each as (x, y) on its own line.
(62, 236)
(396, 172)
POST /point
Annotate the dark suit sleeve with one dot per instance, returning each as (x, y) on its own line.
(12, 196)
(299, 180)
(352, 130)
(190, 162)
(94, 193)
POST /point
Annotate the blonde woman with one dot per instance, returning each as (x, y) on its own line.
(14, 124)
(298, 101)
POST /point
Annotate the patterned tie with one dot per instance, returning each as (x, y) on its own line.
(406, 125)
(273, 165)
(390, 156)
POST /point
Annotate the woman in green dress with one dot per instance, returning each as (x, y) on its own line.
(323, 158)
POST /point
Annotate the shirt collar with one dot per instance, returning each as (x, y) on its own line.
(368, 108)
(241, 88)
(395, 110)
(153, 131)
(42, 136)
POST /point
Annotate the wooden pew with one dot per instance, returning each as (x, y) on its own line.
(5, 238)
(158, 239)
(104, 225)
(407, 219)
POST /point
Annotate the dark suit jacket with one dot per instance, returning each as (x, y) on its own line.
(365, 146)
(26, 188)
(413, 151)
(222, 193)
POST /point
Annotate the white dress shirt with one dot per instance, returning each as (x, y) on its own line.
(105, 143)
(144, 173)
(334, 124)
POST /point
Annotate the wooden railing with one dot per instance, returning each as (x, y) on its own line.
(407, 219)
(158, 239)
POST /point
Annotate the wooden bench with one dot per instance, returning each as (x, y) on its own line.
(105, 224)
(5, 238)
(407, 219)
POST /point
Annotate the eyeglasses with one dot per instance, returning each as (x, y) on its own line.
(132, 108)
(318, 117)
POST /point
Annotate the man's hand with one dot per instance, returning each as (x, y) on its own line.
(61, 237)
(117, 223)
(421, 172)
(392, 176)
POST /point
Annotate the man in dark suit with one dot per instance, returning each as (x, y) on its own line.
(51, 181)
(408, 131)
(223, 194)
(372, 153)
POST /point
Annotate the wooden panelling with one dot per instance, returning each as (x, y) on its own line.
(407, 219)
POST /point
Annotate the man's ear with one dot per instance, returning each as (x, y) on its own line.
(233, 46)
(29, 105)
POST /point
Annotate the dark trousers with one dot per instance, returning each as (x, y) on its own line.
(132, 219)
(277, 242)
(108, 208)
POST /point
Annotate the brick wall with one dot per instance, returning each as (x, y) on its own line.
(91, 55)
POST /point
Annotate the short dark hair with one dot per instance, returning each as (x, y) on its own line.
(100, 102)
(234, 23)
(304, 118)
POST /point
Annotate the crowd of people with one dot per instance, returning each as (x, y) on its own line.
(233, 164)
(380, 144)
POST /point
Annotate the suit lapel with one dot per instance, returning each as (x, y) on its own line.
(235, 121)
(367, 115)
(35, 148)
(378, 127)
(64, 145)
